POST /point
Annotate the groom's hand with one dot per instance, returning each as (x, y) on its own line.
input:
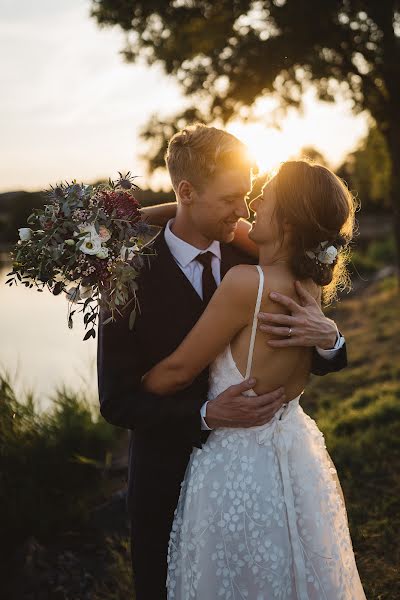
(305, 326)
(233, 409)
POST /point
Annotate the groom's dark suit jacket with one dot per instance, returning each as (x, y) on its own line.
(164, 429)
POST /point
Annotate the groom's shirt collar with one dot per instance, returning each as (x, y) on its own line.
(185, 253)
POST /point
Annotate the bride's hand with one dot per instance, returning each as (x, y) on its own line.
(305, 326)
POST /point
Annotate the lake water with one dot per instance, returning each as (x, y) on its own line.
(38, 349)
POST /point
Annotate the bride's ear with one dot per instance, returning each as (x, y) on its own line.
(185, 192)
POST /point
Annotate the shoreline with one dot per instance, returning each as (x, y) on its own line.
(5, 258)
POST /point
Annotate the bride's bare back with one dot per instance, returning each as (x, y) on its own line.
(272, 367)
(227, 320)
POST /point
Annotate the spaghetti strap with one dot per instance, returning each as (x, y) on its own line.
(254, 328)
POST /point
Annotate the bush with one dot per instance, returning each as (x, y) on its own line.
(377, 255)
(383, 251)
(362, 264)
(50, 463)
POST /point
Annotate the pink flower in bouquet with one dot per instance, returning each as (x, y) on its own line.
(104, 233)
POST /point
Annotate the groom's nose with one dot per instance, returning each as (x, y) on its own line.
(242, 210)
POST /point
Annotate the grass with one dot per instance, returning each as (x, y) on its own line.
(50, 464)
(116, 583)
(358, 409)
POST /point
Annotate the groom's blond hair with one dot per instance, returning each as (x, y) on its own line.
(198, 153)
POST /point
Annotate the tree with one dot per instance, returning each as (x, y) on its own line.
(225, 54)
(368, 172)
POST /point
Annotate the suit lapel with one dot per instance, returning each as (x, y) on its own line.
(170, 272)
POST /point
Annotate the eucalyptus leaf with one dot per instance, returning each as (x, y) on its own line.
(89, 334)
(132, 319)
(58, 288)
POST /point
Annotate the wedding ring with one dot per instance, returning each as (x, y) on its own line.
(290, 332)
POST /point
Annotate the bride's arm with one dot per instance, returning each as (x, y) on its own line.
(226, 314)
(159, 214)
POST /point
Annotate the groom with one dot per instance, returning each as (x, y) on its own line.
(211, 178)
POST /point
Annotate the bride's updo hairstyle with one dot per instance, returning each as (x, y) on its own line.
(320, 209)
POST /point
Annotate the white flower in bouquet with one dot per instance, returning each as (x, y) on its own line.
(90, 230)
(25, 233)
(90, 246)
(128, 253)
(102, 253)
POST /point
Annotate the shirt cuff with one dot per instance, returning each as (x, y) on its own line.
(203, 412)
(332, 352)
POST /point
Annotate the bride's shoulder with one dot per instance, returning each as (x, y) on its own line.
(242, 274)
(241, 280)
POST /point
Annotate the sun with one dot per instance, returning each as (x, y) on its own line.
(267, 146)
(331, 129)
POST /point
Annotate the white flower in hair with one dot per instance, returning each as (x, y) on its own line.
(328, 256)
(323, 253)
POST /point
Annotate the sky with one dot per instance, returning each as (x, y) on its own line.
(71, 108)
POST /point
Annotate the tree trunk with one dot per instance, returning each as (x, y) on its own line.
(393, 141)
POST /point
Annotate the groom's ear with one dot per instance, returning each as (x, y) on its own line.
(185, 192)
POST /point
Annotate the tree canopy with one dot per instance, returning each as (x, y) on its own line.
(227, 53)
(368, 170)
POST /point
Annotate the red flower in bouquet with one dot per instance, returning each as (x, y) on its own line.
(121, 204)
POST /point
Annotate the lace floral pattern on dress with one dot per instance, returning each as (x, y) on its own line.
(260, 515)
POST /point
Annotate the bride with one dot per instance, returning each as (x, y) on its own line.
(261, 515)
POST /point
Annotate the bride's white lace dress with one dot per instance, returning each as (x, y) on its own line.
(261, 515)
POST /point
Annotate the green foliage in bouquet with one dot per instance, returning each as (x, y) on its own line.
(90, 242)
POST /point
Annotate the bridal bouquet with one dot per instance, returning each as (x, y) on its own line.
(89, 242)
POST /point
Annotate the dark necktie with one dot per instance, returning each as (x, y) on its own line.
(208, 282)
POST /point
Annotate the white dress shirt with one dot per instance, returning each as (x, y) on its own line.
(185, 256)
